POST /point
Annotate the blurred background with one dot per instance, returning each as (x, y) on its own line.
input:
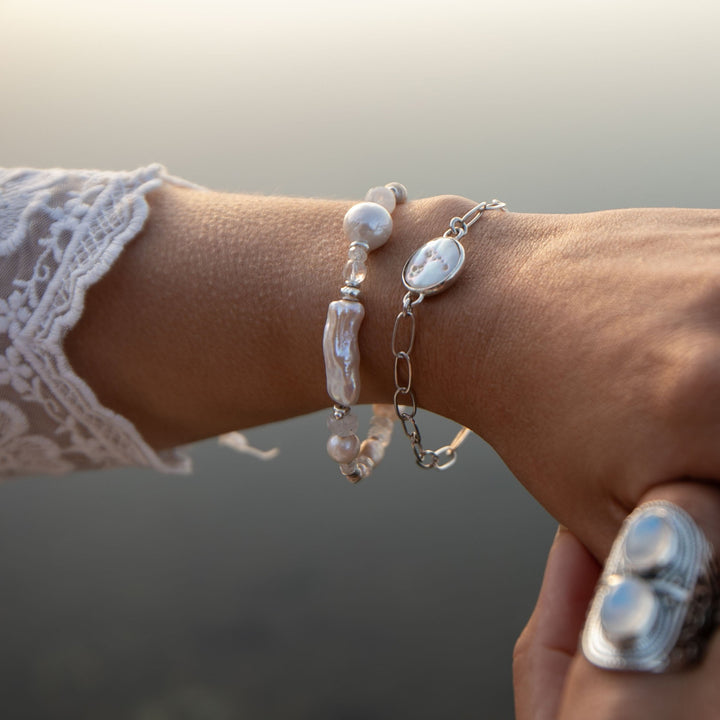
(253, 590)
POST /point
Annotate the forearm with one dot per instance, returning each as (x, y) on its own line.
(212, 318)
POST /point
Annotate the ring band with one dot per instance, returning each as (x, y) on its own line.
(656, 601)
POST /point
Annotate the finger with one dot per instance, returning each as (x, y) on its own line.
(593, 693)
(548, 643)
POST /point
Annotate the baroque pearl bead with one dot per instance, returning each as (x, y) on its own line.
(368, 223)
(628, 610)
(651, 543)
(343, 449)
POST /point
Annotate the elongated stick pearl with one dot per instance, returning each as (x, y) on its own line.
(340, 347)
(368, 225)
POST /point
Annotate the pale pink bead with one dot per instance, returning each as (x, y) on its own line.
(384, 410)
(382, 196)
(346, 425)
(373, 449)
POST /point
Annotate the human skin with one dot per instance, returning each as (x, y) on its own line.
(584, 348)
(552, 679)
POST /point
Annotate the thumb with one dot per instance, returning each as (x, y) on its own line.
(549, 641)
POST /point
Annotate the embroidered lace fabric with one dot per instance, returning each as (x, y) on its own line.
(60, 231)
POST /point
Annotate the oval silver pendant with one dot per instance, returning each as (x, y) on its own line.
(434, 266)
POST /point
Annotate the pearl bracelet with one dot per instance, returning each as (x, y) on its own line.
(368, 226)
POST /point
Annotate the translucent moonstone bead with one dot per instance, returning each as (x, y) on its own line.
(651, 543)
(382, 196)
(368, 223)
(355, 272)
(343, 449)
(357, 252)
(346, 425)
(628, 610)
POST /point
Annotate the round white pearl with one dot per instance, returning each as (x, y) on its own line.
(343, 449)
(382, 196)
(651, 543)
(369, 223)
(628, 610)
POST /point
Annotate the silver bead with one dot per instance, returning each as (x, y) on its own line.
(348, 292)
(368, 223)
(401, 193)
(343, 448)
(363, 470)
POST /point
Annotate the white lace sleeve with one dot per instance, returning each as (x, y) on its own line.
(60, 231)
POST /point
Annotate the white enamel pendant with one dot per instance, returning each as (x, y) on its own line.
(434, 267)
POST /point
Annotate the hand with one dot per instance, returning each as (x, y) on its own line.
(587, 352)
(553, 681)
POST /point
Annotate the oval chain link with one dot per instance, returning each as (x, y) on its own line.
(444, 457)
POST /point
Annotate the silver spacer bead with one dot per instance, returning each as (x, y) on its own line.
(401, 193)
(363, 245)
(350, 292)
(340, 411)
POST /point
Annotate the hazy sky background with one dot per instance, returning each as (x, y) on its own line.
(276, 591)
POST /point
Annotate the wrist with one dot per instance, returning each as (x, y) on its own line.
(455, 330)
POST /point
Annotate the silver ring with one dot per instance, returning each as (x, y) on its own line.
(656, 602)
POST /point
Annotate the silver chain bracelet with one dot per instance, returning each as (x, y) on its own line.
(429, 271)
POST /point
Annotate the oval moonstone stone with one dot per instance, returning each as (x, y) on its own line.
(651, 543)
(434, 266)
(628, 610)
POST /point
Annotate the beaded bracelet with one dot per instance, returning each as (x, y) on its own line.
(368, 226)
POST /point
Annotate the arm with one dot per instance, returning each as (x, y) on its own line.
(584, 348)
(212, 318)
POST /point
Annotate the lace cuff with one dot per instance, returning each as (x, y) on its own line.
(60, 232)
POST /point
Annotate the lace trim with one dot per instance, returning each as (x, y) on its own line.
(60, 232)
